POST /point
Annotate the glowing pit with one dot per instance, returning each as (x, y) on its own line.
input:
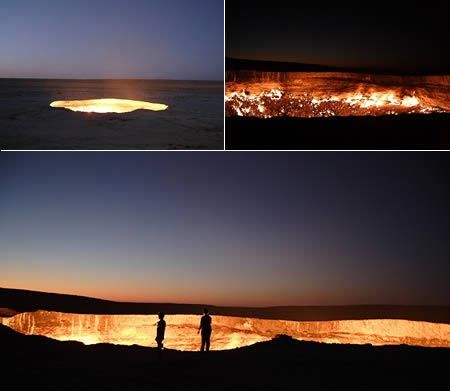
(310, 95)
(228, 332)
(103, 106)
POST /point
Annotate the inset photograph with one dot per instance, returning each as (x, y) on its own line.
(111, 74)
(309, 76)
(225, 270)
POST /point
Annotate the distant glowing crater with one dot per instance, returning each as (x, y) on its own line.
(228, 332)
(109, 105)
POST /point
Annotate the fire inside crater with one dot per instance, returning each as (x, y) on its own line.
(108, 105)
(310, 95)
(228, 332)
(277, 102)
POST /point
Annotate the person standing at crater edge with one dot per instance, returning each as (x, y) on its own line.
(160, 333)
(206, 329)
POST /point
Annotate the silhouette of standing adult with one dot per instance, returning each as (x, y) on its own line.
(160, 332)
(205, 328)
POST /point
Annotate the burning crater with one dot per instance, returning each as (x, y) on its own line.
(228, 332)
(104, 106)
(275, 94)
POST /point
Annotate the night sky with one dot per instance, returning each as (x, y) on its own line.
(228, 228)
(404, 36)
(160, 39)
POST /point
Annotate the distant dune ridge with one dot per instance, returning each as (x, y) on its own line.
(235, 64)
(7, 312)
(27, 301)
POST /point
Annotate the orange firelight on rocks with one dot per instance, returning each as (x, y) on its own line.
(277, 102)
(228, 332)
(310, 95)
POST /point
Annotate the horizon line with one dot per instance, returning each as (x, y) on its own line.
(386, 71)
(118, 79)
(227, 306)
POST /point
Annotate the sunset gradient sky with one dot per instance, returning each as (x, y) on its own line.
(228, 228)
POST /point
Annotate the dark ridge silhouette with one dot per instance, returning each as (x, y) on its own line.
(41, 363)
(408, 131)
(7, 312)
(27, 301)
(235, 64)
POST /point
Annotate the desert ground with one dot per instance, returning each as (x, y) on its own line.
(193, 120)
(41, 363)
(402, 132)
(280, 362)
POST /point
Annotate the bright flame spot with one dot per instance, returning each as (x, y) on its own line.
(103, 106)
(410, 101)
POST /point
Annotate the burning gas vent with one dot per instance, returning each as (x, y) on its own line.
(267, 95)
(103, 106)
(228, 332)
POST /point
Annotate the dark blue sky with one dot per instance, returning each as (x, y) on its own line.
(228, 228)
(164, 39)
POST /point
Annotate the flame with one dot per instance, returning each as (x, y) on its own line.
(276, 102)
(228, 332)
(103, 106)
(329, 94)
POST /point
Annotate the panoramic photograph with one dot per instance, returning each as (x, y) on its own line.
(343, 76)
(216, 270)
(109, 74)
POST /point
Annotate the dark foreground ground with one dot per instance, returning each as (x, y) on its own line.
(282, 364)
(431, 131)
(16, 300)
(194, 119)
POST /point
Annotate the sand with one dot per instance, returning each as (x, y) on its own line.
(194, 119)
(282, 364)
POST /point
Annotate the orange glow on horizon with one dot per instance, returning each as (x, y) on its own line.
(118, 291)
